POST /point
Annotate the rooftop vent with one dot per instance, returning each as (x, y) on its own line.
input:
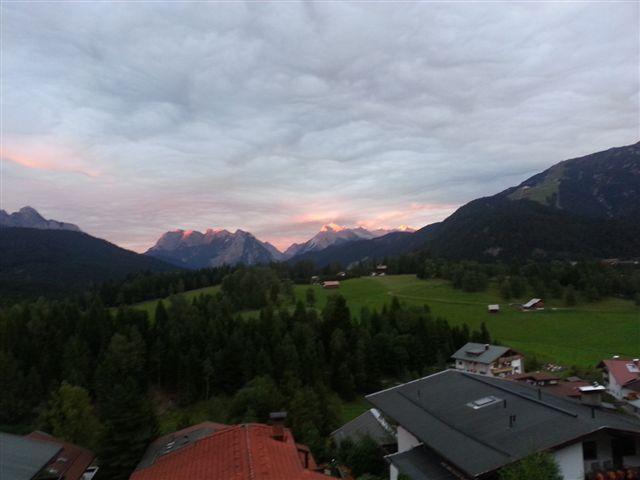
(277, 420)
(483, 402)
(591, 394)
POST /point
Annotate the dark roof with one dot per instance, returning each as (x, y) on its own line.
(369, 423)
(71, 462)
(22, 458)
(421, 464)
(439, 411)
(479, 352)
(174, 441)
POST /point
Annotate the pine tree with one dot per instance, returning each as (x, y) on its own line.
(129, 426)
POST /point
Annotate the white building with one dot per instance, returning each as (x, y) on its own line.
(622, 377)
(490, 360)
(454, 425)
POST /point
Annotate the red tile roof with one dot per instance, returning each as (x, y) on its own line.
(535, 376)
(620, 371)
(240, 452)
(566, 389)
(71, 462)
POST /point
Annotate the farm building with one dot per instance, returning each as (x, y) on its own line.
(493, 308)
(490, 360)
(381, 270)
(533, 304)
(455, 425)
(329, 284)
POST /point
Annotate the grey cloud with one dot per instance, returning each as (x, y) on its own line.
(271, 117)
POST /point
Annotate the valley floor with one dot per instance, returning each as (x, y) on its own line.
(581, 335)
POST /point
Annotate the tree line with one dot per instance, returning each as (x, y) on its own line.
(89, 372)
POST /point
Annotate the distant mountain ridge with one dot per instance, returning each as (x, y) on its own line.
(213, 248)
(582, 207)
(44, 262)
(332, 234)
(28, 217)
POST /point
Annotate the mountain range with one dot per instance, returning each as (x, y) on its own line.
(216, 247)
(48, 257)
(28, 217)
(213, 248)
(582, 207)
(587, 207)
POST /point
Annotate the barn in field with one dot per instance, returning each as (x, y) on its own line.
(533, 305)
(331, 284)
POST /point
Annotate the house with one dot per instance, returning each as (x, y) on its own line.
(39, 456)
(329, 284)
(210, 451)
(551, 383)
(372, 424)
(533, 304)
(341, 274)
(457, 425)
(493, 308)
(621, 377)
(381, 270)
(491, 360)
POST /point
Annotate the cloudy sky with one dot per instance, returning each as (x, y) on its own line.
(134, 119)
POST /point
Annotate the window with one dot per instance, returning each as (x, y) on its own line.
(590, 450)
(483, 402)
(628, 446)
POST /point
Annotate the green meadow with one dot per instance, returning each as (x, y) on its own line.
(581, 335)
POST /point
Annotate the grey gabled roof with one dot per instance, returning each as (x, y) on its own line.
(439, 411)
(421, 464)
(369, 423)
(479, 352)
(21, 458)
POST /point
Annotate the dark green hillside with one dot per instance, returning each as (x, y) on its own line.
(53, 262)
(587, 207)
(504, 229)
(602, 185)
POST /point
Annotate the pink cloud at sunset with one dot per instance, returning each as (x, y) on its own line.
(45, 153)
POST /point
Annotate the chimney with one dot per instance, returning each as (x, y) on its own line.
(486, 346)
(592, 395)
(277, 419)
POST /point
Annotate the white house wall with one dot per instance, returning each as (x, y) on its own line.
(406, 441)
(569, 460)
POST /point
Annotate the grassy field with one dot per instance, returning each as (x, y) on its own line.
(150, 305)
(580, 335)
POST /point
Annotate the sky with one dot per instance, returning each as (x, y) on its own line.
(132, 119)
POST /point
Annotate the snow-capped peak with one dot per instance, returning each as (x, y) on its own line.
(332, 227)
